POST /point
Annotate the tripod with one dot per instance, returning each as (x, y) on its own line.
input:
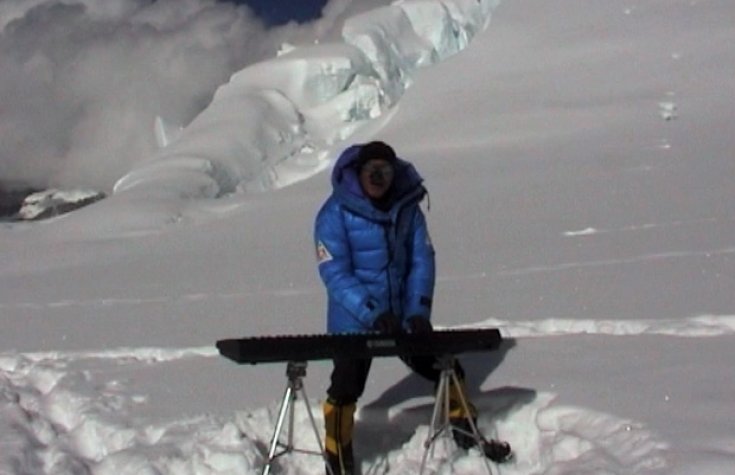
(295, 372)
(440, 423)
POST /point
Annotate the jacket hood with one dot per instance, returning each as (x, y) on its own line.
(407, 183)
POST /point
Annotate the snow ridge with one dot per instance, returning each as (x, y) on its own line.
(699, 326)
(694, 327)
(273, 124)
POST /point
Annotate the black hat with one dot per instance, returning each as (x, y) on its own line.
(375, 151)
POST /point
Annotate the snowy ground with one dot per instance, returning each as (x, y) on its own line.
(579, 159)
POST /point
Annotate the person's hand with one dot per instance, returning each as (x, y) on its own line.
(419, 325)
(387, 323)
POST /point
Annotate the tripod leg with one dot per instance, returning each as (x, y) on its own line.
(291, 419)
(316, 431)
(285, 404)
(441, 405)
(441, 411)
(465, 407)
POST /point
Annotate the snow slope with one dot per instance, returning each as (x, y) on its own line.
(569, 208)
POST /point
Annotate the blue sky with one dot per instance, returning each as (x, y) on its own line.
(276, 12)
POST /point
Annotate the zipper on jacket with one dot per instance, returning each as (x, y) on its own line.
(387, 229)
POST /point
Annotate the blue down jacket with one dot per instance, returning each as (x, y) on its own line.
(373, 261)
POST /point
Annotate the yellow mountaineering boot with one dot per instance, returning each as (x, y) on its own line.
(339, 421)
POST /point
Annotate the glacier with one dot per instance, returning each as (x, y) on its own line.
(276, 122)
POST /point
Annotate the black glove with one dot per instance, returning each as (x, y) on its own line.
(387, 323)
(419, 325)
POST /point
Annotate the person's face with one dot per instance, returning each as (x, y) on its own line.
(376, 177)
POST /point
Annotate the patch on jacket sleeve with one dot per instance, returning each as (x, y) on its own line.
(322, 253)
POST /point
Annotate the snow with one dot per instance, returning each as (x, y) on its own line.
(568, 207)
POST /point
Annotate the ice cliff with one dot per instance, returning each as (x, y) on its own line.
(274, 122)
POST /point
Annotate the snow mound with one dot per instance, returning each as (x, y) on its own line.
(275, 122)
(57, 417)
(59, 421)
(567, 439)
(546, 438)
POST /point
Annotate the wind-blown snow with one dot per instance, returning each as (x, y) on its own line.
(566, 208)
(83, 80)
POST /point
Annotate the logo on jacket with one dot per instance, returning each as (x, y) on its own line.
(322, 253)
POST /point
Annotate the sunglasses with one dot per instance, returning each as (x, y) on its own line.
(384, 170)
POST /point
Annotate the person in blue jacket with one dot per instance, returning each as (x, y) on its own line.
(377, 262)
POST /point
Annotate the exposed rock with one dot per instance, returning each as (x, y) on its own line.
(11, 199)
(53, 202)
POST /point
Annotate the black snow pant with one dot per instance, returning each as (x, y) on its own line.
(347, 385)
(350, 375)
